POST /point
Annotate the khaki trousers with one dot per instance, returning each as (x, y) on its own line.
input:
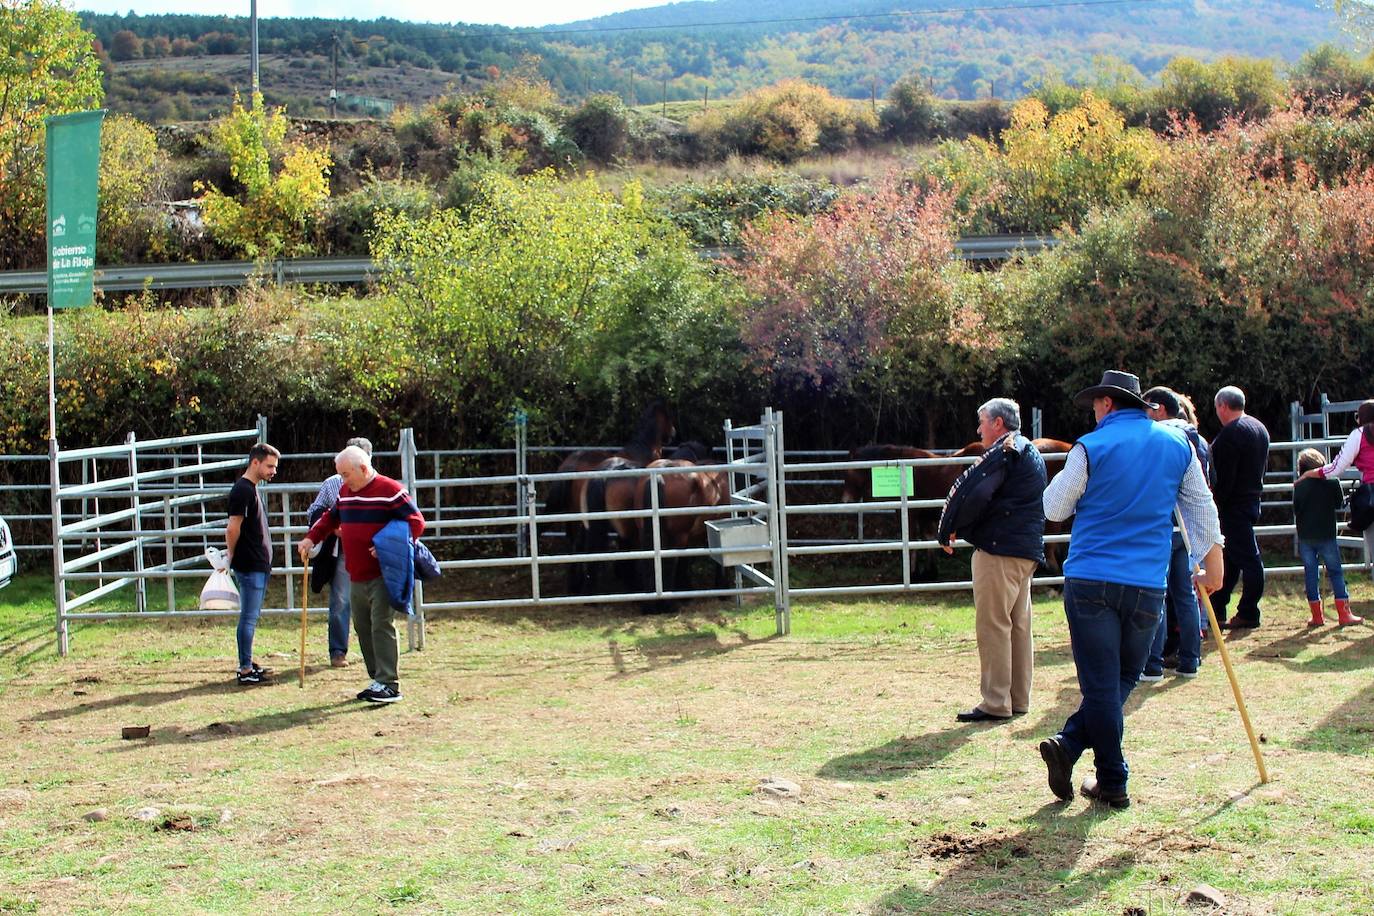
(1006, 651)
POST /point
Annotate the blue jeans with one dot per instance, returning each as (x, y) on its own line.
(252, 589)
(1328, 553)
(1186, 613)
(339, 609)
(1111, 628)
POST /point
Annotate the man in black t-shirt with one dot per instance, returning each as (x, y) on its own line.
(250, 552)
(1240, 454)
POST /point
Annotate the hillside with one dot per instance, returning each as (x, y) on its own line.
(182, 67)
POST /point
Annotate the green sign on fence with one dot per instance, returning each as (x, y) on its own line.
(73, 172)
(888, 481)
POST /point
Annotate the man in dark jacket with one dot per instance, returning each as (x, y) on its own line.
(1240, 453)
(997, 506)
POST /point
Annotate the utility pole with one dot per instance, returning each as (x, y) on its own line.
(873, 94)
(634, 93)
(253, 44)
(705, 98)
(665, 97)
(334, 77)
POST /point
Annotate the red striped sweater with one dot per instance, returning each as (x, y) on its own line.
(359, 516)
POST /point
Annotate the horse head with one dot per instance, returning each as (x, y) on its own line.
(656, 428)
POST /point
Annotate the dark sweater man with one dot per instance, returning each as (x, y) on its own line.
(1240, 453)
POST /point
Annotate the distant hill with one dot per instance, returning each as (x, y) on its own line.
(183, 66)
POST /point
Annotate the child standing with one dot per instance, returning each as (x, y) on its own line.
(1315, 501)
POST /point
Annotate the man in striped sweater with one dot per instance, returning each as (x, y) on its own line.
(367, 501)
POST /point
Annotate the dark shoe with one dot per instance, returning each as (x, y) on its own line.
(1059, 766)
(1241, 623)
(384, 694)
(1152, 675)
(1117, 800)
(977, 715)
(370, 689)
(338, 661)
(252, 676)
(1180, 671)
(1170, 660)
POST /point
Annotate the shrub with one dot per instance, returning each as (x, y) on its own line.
(911, 113)
(600, 128)
(353, 217)
(521, 297)
(275, 209)
(716, 214)
(1231, 87)
(787, 121)
(857, 310)
(134, 179)
(1328, 75)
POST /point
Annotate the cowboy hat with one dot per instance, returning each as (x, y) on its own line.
(1121, 387)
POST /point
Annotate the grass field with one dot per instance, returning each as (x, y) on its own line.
(587, 762)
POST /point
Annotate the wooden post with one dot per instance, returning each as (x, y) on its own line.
(305, 602)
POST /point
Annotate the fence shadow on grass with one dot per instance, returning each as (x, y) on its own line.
(142, 699)
(665, 650)
(21, 644)
(1354, 649)
(1347, 729)
(260, 724)
(1033, 869)
(901, 756)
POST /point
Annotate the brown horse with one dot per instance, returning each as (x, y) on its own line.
(696, 490)
(655, 429)
(931, 482)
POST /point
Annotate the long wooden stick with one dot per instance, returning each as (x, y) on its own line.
(1206, 601)
(305, 602)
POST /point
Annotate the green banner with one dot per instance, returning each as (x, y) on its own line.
(888, 481)
(73, 172)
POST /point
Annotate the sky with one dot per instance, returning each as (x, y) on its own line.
(516, 13)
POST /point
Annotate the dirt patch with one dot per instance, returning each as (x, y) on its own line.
(956, 846)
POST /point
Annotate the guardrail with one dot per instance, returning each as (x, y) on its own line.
(205, 274)
(129, 277)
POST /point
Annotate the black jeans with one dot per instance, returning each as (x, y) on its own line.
(1242, 561)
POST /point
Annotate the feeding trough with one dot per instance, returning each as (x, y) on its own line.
(737, 541)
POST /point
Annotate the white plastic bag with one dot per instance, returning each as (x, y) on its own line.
(220, 593)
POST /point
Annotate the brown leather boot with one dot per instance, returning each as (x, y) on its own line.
(1317, 619)
(1345, 618)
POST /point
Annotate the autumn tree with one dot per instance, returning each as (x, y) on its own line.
(47, 67)
(282, 187)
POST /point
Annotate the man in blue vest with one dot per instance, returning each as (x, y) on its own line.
(1121, 483)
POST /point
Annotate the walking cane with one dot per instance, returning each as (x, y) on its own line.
(305, 602)
(1206, 601)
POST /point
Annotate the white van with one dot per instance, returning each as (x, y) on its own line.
(8, 563)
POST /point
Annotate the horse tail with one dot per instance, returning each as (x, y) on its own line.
(560, 494)
(598, 530)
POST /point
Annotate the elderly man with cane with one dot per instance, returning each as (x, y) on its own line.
(1121, 483)
(367, 502)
